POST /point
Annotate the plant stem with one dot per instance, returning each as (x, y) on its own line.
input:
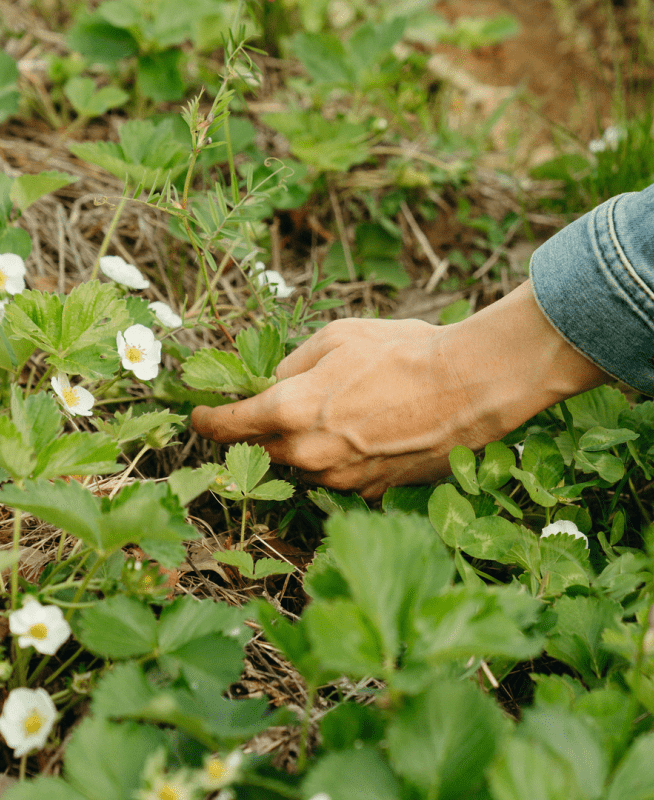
(21, 770)
(273, 786)
(107, 237)
(85, 583)
(15, 548)
(243, 510)
(128, 471)
(59, 669)
(304, 733)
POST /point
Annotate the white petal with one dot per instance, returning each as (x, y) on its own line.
(564, 526)
(119, 270)
(12, 268)
(166, 315)
(139, 336)
(120, 344)
(145, 370)
(20, 705)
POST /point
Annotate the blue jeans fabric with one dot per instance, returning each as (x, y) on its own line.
(594, 281)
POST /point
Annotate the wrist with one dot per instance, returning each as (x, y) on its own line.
(514, 363)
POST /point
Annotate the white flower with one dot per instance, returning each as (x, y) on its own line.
(3, 303)
(12, 273)
(119, 270)
(219, 772)
(43, 627)
(165, 315)
(273, 280)
(139, 351)
(76, 399)
(597, 145)
(320, 796)
(564, 526)
(610, 139)
(163, 785)
(520, 448)
(27, 719)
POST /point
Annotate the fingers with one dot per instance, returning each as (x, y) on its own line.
(309, 353)
(245, 419)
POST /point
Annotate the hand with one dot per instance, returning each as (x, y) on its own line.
(367, 404)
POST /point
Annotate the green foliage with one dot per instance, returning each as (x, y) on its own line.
(147, 153)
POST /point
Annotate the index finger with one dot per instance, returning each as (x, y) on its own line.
(244, 419)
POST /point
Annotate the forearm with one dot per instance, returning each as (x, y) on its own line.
(512, 363)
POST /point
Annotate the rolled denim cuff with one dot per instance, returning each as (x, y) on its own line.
(594, 281)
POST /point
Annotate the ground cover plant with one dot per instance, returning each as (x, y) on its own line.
(186, 194)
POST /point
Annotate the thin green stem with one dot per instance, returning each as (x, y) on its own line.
(107, 237)
(85, 583)
(21, 769)
(243, 510)
(304, 733)
(45, 375)
(271, 785)
(15, 549)
(59, 669)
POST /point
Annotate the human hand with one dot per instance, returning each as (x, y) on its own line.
(367, 404)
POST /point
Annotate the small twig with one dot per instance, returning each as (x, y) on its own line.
(499, 251)
(347, 252)
(439, 265)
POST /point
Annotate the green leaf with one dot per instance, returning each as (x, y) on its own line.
(271, 566)
(237, 558)
(272, 490)
(391, 564)
(159, 76)
(463, 463)
(570, 739)
(506, 502)
(98, 40)
(444, 739)
(186, 619)
(92, 315)
(323, 56)
(576, 638)
(146, 513)
(525, 769)
(599, 438)
(118, 627)
(634, 777)
(99, 777)
(601, 406)
(40, 787)
(88, 101)
(542, 458)
(495, 469)
(36, 316)
(247, 464)
(352, 775)
(343, 639)
(210, 662)
(449, 513)
(188, 483)
(37, 417)
(531, 483)
(331, 501)
(261, 350)
(564, 562)
(407, 500)
(9, 96)
(219, 371)
(475, 621)
(78, 453)
(15, 240)
(27, 189)
(15, 455)
(490, 538)
(609, 467)
(65, 505)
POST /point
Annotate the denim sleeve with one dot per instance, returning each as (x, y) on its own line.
(594, 281)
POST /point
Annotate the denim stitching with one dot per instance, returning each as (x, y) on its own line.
(620, 252)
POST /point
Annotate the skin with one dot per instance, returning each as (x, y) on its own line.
(365, 404)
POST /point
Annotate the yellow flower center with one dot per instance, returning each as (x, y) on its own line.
(216, 769)
(39, 631)
(3, 280)
(70, 396)
(134, 354)
(33, 723)
(168, 792)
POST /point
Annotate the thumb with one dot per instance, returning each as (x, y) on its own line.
(235, 422)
